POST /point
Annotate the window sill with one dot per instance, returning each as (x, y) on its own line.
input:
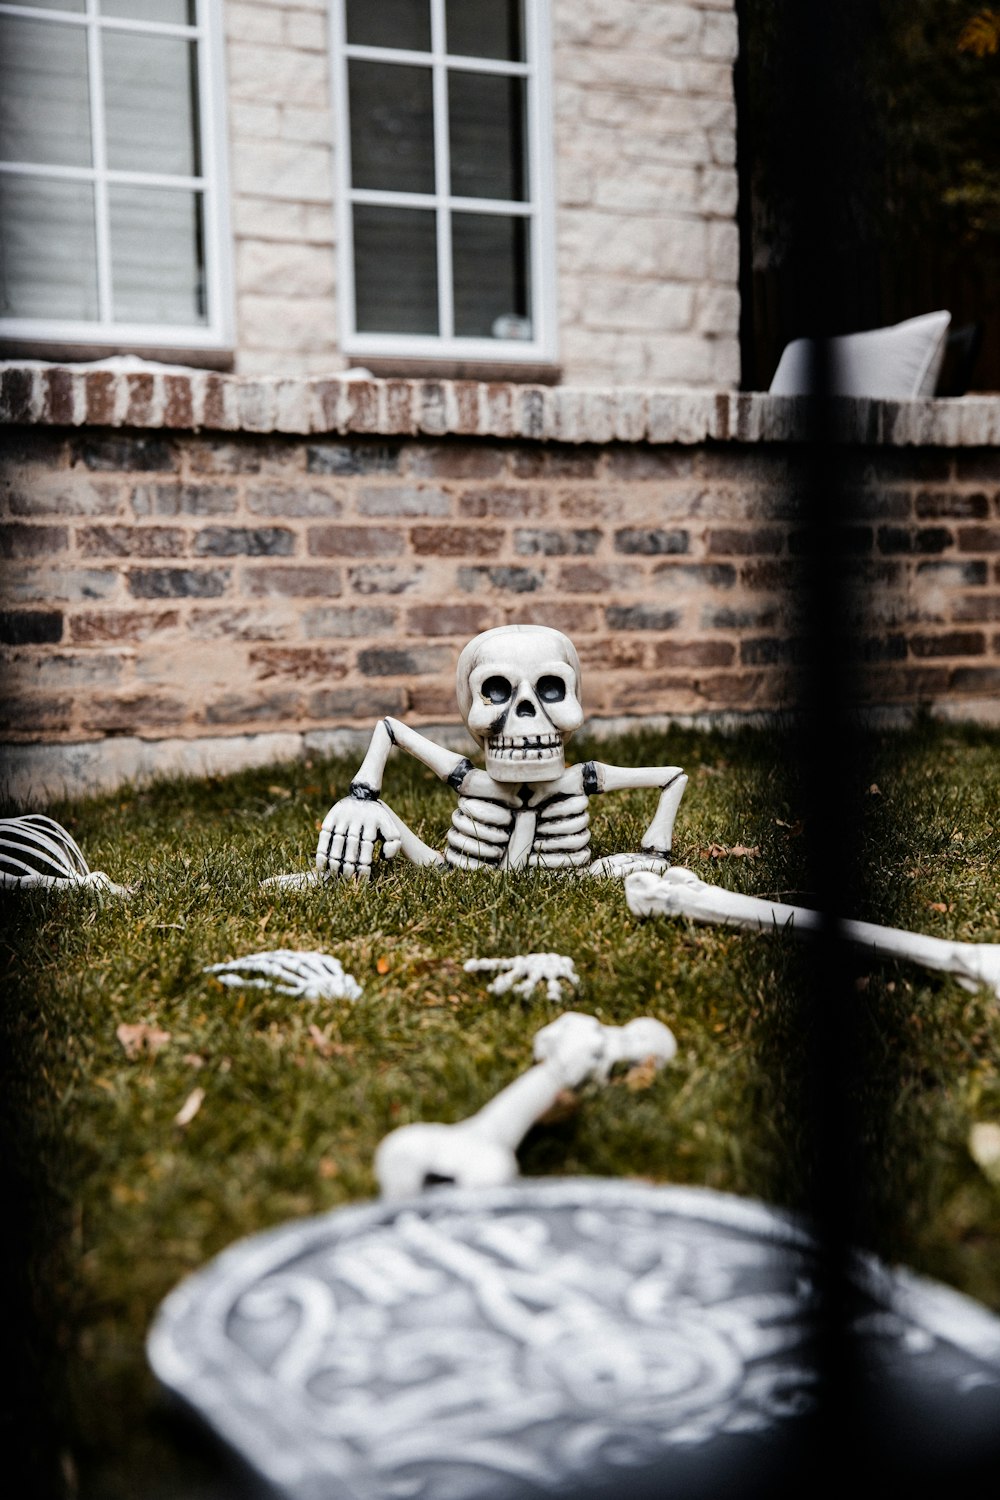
(491, 371)
(77, 354)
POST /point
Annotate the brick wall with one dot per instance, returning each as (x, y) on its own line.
(645, 141)
(164, 583)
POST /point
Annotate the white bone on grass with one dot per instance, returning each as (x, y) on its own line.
(36, 852)
(680, 893)
(480, 1152)
(526, 970)
(519, 694)
(291, 971)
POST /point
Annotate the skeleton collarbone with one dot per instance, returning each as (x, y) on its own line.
(505, 826)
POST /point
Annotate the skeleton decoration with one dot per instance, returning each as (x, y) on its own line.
(680, 893)
(290, 971)
(526, 970)
(37, 852)
(479, 1152)
(518, 690)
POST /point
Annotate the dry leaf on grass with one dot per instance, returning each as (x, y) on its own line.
(139, 1038)
(189, 1108)
(382, 965)
(939, 906)
(732, 851)
(642, 1075)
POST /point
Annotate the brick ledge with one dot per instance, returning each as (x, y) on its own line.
(185, 400)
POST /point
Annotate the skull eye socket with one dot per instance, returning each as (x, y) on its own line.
(551, 689)
(496, 689)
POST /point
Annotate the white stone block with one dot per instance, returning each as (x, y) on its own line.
(278, 169)
(313, 126)
(719, 192)
(590, 241)
(718, 310)
(295, 270)
(651, 189)
(726, 363)
(681, 247)
(712, 78)
(263, 218)
(649, 305)
(679, 359)
(252, 23)
(574, 182)
(300, 324)
(307, 29)
(278, 75)
(720, 36)
(723, 262)
(258, 121)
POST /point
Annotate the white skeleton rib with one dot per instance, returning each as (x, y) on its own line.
(679, 892)
(479, 1152)
(36, 852)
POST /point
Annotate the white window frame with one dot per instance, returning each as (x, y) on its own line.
(538, 209)
(217, 332)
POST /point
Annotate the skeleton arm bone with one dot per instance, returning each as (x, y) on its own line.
(354, 824)
(654, 850)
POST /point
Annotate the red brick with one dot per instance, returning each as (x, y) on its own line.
(384, 578)
(693, 653)
(447, 619)
(573, 619)
(385, 661)
(953, 643)
(59, 403)
(100, 387)
(240, 624)
(432, 701)
(18, 540)
(351, 621)
(504, 504)
(977, 607)
(354, 541)
(550, 462)
(455, 460)
(272, 708)
(934, 504)
(131, 541)
(140, 411)
(15, 395)
(120, 625)
(592, 578)
(178, 410)
(615, 655)
(456, 541)
(292, 582)
(362, 406)
(361, 704)
(399, 405)
(299, 662)
(979, 538)
(760, 540)
(133, 713)
(975, 680)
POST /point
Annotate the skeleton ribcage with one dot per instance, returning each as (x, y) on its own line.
(487, 835)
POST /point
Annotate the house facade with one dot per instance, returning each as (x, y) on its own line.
(335, 333)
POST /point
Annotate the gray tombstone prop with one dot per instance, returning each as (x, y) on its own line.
(574, 1337)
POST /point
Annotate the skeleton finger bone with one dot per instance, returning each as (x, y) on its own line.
(680, 892)
(480, 1151)
(526, 970)
(308, 975)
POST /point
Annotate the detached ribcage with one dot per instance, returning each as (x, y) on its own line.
(479, 834)
(562, 837)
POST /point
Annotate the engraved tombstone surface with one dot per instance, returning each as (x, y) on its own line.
(550, 1337)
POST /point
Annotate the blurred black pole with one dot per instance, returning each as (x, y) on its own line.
(822, 126)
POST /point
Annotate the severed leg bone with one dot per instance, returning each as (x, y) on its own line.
(679, 892)
(37, 852)
(479, 1152)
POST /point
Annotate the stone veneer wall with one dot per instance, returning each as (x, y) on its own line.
(645, 145)
(195, 558)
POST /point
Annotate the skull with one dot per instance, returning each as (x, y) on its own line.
(518, 691)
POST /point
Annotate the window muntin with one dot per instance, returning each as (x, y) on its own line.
(445, 179)
(115, 224)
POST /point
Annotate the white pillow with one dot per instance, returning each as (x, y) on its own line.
(901, 363)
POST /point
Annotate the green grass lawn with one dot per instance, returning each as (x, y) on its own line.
(123, 1201)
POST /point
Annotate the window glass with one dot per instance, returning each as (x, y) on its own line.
(395, 269)
(157, 255)
(48, 263)
(176, 12)
(150, 100)
(485, 28)
(486, 129)
(491, 276)
(392, 127)
(45, 96)
(488, 138)
(75, 5)
(390, 23)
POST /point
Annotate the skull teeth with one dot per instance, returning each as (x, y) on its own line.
(524, 747)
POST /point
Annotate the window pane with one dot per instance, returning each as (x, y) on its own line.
(485, 28)
(157, 256)
(44, 93)
(150, 96)
(176, 12)
(49, 260)
(392, 127)
(492, 276)
(390, 23)
(486, 127)
(395, 269)
(76, 5)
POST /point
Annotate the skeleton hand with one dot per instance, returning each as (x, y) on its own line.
(523, 972)
(350, 831)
